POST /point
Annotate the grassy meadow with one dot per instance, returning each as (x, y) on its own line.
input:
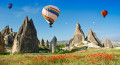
(90, 56)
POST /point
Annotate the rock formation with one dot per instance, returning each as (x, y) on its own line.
(8, 35)
(91, 36)
(107, 43)
(53, 44)
(26, 39)
(47, 44)
(6, 31)
(67, 46)
(2, 44)
(42, 43)
(78, 36)
(9, 39)
(71, 44)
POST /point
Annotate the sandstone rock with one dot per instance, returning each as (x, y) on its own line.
(66, 44)
(6, 31)
(2, 44)
(91, 36)
(47, 44)
(107, 43)
(78, 36)
(53, 44)
(11, 30)
(8, 35)
(26, 39)
(9, 39)
(97, 38)
(42, 43)
(71, 43)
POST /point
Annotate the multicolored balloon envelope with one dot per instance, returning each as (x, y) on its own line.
(104, 13)
(50, 13)
(10, 6)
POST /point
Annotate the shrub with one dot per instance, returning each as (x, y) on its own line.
(5, 53)
(60, 46)
(101, 45)
(43, 50)
(88, 41)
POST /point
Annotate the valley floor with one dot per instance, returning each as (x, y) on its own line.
(91, 56)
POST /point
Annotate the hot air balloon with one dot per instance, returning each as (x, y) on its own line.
(104, 13)
(50, 13)
(10, 6)
(66, 22)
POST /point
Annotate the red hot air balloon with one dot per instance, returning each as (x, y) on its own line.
(104, 13)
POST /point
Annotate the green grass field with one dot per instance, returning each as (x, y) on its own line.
(91, 56)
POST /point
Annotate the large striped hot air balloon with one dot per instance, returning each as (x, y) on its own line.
(50, 13)
(10, 6)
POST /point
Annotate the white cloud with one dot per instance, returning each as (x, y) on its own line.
(113, 37)
(18, 13)
(98, 32)
(29, 9)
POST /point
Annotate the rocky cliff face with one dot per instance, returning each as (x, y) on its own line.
(78, 36)
(107, 43)
(26, 39)
(91, 36)
(2, 44)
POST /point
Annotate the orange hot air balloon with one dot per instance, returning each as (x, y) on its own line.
(104, 13)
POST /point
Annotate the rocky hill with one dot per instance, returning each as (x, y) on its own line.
(78, 36)
(26, 39)
(91, 36)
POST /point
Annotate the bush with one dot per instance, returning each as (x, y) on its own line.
(5, 53)
(88, 41)
(62, 51)
(101, 45)
(27, 51)
(75, 48)
(43, 50)
(60, 46)
(112, 46)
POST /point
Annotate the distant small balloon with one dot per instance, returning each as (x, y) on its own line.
(10, 6)
(104, 13)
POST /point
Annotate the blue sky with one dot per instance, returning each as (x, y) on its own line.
(84, 12)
